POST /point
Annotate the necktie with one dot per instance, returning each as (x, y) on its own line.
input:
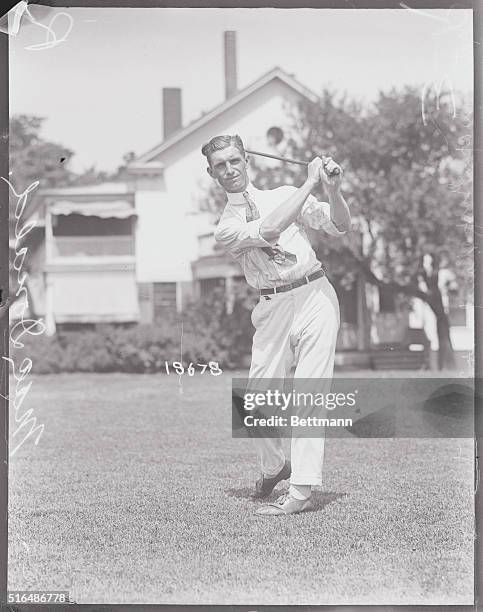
(275, 253)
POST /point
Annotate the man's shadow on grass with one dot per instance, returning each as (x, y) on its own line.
(320, 499)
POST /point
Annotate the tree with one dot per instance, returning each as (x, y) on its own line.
(33, 158)
(406, 181)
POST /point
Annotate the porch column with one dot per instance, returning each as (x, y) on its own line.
(49, 236)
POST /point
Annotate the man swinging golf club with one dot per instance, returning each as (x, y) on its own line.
(297, 318)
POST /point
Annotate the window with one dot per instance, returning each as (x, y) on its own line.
(208, 285)
(275, 135)
(387, 300)
(90, 225)
(82, 235)
(145, 292)
(164, 298)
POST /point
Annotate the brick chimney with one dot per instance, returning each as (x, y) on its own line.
(230, 63)
(172, 120)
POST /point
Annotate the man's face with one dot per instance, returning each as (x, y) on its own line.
(229, 168)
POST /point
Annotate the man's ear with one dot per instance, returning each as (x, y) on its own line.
(210, 172)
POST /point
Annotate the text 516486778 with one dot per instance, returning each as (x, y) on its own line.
(38, 597)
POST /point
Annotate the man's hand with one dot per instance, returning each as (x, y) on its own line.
(339, 211)
(330, 180)
(314, 171)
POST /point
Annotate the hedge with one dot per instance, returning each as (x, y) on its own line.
(204, 332)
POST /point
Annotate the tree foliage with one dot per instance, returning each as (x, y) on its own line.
(408, 182)
(33, 158)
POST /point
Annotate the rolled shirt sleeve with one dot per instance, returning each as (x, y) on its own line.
(316, 215)
(238, 236)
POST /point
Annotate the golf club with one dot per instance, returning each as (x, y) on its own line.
(288, 160)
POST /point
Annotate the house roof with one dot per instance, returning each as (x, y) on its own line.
(274, 74)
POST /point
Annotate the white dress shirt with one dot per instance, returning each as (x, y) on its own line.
(243, 241)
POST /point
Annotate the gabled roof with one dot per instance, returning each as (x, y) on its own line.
(275, 73)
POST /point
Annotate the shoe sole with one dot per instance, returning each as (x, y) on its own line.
(307, 508)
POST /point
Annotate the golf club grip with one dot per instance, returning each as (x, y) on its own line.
(335, 171)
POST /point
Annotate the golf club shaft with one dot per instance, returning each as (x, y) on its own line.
(285, 159)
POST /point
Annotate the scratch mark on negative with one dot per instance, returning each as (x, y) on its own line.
(180, 376)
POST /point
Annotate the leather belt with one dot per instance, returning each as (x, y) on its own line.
(298, 283)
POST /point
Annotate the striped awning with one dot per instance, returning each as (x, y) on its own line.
(118, 209)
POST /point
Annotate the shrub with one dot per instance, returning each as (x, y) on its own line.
(204, 332)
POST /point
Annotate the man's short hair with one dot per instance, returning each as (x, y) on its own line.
(222, 142)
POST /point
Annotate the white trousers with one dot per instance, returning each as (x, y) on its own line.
(295, 327)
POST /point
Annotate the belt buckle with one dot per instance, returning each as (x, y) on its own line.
(307, 280)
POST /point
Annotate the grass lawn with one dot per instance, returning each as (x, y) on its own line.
(137, 493)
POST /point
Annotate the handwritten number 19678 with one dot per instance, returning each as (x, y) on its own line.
(179, 368)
